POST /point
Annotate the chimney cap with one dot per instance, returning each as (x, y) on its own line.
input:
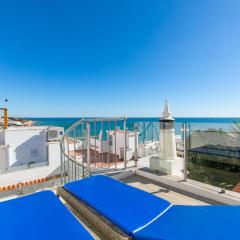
(167, 115)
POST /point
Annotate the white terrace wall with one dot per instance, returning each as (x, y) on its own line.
(26, 145)
(53, 168)
(130, 141)
(3, 162)
(2, 141)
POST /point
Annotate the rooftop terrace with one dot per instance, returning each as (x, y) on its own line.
(165, 192)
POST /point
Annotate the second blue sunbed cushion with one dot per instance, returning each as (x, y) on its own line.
(39, 216)
(194, 222)
(125, 206)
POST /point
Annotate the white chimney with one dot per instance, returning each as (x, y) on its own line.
(167, 135)
(167, 162)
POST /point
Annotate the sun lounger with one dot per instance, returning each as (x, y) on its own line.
(112, 206)
(39, 216)
(195, 223)
(125, 212)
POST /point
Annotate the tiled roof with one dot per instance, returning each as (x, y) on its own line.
(237, 188)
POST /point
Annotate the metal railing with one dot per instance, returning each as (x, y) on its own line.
(102, 145)
(211, 156)
(69, 162)
(94, 145)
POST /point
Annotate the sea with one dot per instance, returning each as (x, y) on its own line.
(193, 123)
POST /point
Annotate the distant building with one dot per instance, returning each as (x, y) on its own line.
(114, 143)
(28, 153)
(213, 145)
(214, 156)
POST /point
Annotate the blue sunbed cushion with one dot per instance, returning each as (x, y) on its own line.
(39, 216)
(194, 222)
(125, 206)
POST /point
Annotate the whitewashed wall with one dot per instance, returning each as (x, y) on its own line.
(53, 168)
(130, 142)
(2, 141)
(27, 145)
(3, 163)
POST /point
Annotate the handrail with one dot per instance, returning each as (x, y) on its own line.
(101, 119)
(72, 127)
(64, 156)
(105, 119)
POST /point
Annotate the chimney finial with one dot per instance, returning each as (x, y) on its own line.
(167, 115)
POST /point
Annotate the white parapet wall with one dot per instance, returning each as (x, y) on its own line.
(99, 145)
(24, 145)
(72, 145)
(115, 143)
(27, 153)
(51, 169)
(3, 163)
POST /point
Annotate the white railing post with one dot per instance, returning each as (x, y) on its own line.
(185, 151)
(62, 156)
(68, 161)
(64, 166)
(75, 154)
(88, 148)
(125, 143)
(83, 156)
(135, 143)
(115, 143)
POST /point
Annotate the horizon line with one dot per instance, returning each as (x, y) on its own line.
(129, 116)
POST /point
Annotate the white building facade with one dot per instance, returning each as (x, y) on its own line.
(27, 153)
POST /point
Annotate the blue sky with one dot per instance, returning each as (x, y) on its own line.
(107, 58)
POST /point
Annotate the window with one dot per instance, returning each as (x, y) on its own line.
(110, 140)
(34, 153)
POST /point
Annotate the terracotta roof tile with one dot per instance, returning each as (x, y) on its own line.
(237, 188)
